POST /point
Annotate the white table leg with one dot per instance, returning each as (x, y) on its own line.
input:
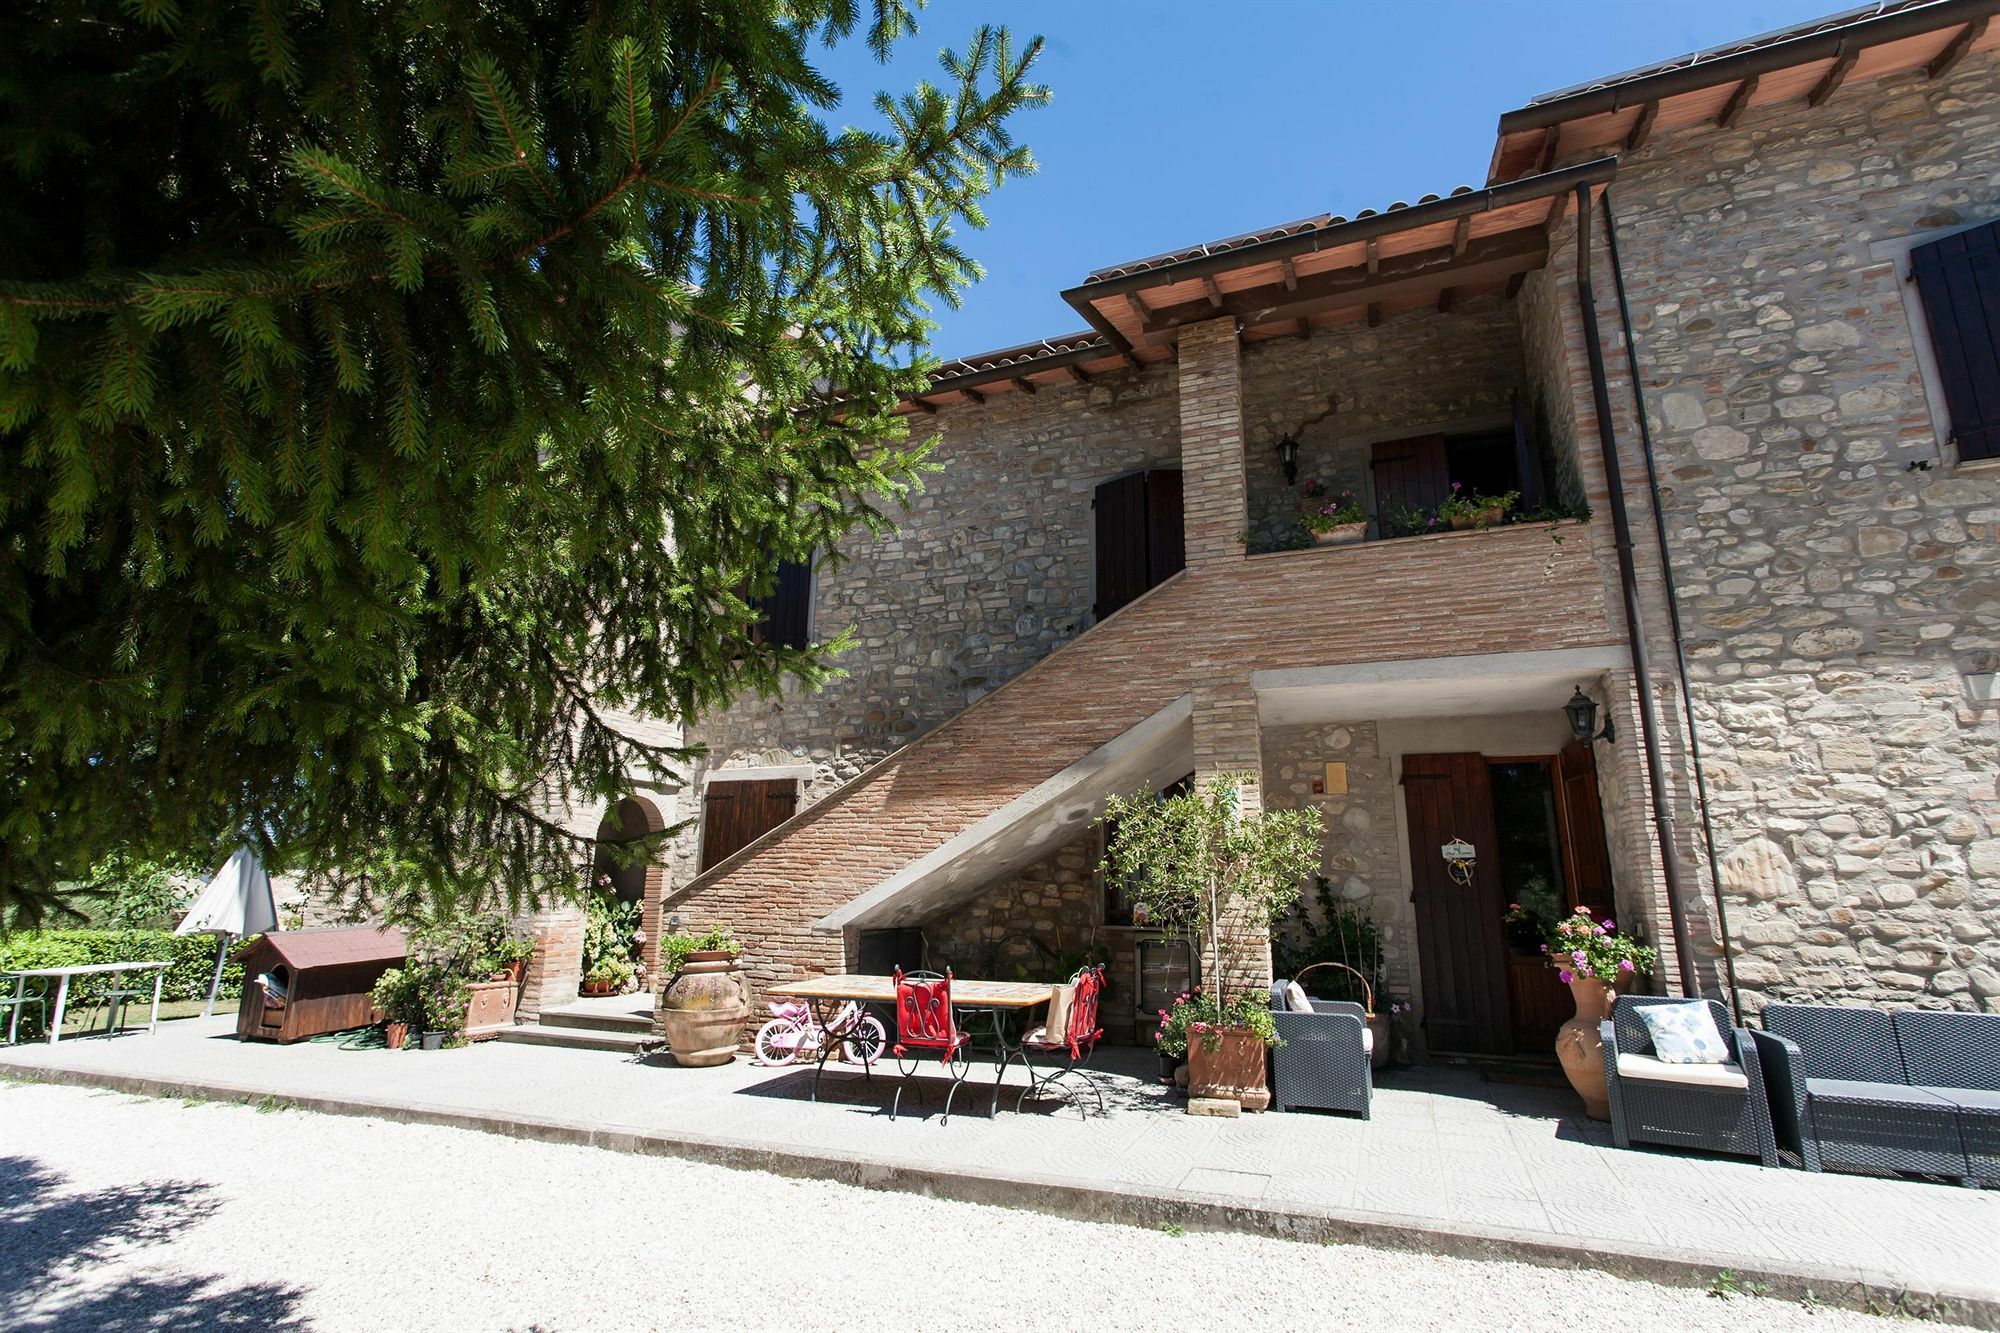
(14, 1014)
(62, 1003)
(159, 978)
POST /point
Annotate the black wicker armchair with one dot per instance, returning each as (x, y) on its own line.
(1324, 1062)
(1712, 1108)
(1861, 1088)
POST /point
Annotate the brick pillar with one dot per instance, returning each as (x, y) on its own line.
(1227, 740)
(556, 970)
(1211, 391)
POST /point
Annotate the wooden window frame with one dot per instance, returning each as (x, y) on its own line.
(1896, 251)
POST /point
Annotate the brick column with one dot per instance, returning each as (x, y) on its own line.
(1211, 390)
(1227, 740)
(556, 969)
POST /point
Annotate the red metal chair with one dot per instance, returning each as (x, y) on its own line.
(926, 1021)
(1078, 1039)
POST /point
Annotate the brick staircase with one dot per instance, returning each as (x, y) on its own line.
(1198, 635)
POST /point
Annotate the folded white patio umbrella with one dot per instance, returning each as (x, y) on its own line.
(237, 902)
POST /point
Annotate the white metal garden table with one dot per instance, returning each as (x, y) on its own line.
(62, 976)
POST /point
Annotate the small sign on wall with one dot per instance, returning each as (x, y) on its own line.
(1336, 779)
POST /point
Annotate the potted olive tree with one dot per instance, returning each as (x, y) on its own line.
(1222, 873)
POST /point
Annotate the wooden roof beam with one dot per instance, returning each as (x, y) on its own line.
(1374, 313)
(923, 405)
(972, 395)
(1291, 274)
(1955, 49)
(1078, 374)
(1551, 145)
(1515, 284)
(1447, 300)
(1732, 110)
(1489, 259)
(1025, 385)
(1642, 130)
(1558, 207)
(1461, 233)
(1301, 329)
(1374, 255)
(1139, 307)
(1214, 292)
(1836, 76)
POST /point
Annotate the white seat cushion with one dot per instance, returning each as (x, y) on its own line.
(1697, 1076)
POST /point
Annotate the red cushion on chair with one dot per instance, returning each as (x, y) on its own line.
(924, 1016)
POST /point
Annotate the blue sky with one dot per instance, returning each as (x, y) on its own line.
(1178, 121)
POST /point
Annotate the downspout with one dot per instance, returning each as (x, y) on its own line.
(1673, 612)
(1621, 531)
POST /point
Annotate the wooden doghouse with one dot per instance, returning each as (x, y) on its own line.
(318, 980)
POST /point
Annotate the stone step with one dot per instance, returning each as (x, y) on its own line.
(596, 1020)
(578, 1038)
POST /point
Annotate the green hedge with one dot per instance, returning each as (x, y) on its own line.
(192, 958)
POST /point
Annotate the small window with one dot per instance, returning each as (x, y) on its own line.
(786, 613)
(1958, 279)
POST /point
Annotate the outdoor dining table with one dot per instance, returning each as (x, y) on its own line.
(830, 996)
(62, 976)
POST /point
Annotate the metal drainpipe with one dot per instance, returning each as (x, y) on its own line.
(1673, 611)
(1621, 531)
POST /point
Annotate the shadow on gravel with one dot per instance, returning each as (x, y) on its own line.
(50, 1238)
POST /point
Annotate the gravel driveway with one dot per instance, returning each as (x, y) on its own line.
(121, 1213)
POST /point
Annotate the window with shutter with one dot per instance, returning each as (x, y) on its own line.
(787, 611)
(1958, 279)
(736, 812)
(1141, 541)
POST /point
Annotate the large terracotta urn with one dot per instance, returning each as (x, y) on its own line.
(1233, 1070)
(703, 1008)
(1580, 1048)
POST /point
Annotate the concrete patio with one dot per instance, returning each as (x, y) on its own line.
(1451, 1162)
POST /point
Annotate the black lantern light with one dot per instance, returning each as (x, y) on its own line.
(1288, 454)
(1582, 712)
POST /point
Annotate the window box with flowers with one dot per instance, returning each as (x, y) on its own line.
(1595, 962)
(1465, 508)
(1333, 518)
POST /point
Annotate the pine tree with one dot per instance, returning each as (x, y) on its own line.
(393, 390)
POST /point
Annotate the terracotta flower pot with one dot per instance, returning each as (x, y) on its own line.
(1485, 518)
(394, 1035)
(703, 1008)
(1341, 534)
(1581, 1050)
(1234, 1069)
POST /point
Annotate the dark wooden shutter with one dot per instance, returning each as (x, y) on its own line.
(1166, 540)
(1959, 280)
(1460, 943)
(1122, 559)
(1580, 814)
(1527, 459)
(1409, 474)
(787, 611)
(735, 813)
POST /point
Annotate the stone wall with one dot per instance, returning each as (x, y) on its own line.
(1415, 372)
(1836, 569)
(991, 568)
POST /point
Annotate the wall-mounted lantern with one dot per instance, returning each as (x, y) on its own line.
(1288, 454)
(1582, 712)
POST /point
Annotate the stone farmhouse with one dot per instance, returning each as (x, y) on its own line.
(1729, 326)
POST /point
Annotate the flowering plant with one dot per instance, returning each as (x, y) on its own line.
(1321, 511)
(1463, 503)
(1584, 945)
(1196, 1014)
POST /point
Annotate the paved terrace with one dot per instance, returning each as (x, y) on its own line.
(1450, 1162)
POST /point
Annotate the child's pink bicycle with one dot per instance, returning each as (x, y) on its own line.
(795, 1033)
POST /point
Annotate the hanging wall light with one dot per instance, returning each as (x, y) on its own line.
(1582, 712)
(1288, 454)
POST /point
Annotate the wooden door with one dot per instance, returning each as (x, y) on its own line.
(1460, 944)
(735, 813)
(1580, 821)
(1410, 476)
(1140, 538)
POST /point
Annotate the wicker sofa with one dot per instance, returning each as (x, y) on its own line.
(1915, 1091)
(1324, 1062)
(1712, 1108)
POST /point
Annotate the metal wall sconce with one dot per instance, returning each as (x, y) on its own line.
(1288, 454)
(1582, 712)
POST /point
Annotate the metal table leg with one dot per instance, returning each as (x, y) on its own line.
(159, 979)
(14, 1014)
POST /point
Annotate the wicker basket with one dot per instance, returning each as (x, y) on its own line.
(1367, 991)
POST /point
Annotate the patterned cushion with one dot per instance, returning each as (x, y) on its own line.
(1684, 1034)
(1296, 999)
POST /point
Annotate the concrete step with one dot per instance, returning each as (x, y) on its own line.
(596, 1020)
(577, 1038)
